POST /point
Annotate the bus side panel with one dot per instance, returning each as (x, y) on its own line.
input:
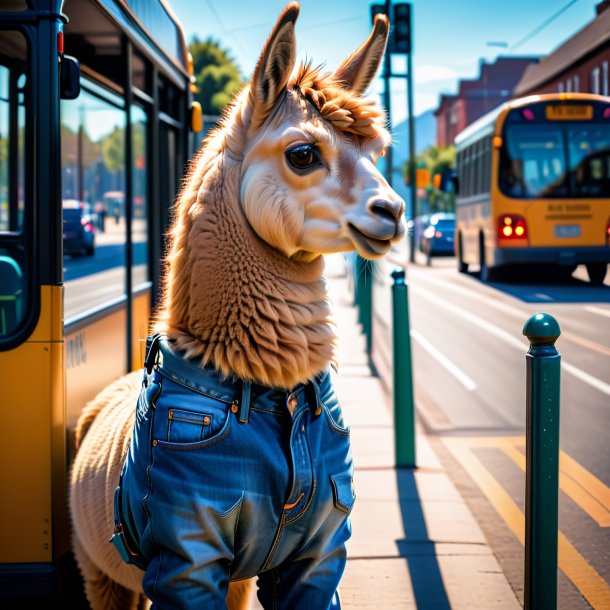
(32, 452)
(96, 355)
(140, 328)
(472, 220)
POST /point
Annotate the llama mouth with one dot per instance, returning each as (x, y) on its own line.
(369, 246)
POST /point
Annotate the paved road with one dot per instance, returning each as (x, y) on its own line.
(469, 368)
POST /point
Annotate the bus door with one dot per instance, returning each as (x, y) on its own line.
(33, 518)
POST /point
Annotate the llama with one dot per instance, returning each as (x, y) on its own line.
(287, 177)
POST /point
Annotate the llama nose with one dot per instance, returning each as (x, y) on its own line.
(390, 210)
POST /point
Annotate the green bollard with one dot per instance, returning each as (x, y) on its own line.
(404, 411)
(364, 298)
(543, 363)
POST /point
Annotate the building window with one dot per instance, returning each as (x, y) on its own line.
(594, 80)
(560, 87)
(576, 83)
(606, 86)
(569, 85)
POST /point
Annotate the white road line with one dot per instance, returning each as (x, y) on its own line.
(598, 310)
(444, 361)
(544, 297)
(594, 382)
(492, 301)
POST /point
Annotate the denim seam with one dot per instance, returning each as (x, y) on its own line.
(275, 544)
(313, 492)
(269, 411)
(198, 445)
(191, 388)
(334, 426)
(151, 461)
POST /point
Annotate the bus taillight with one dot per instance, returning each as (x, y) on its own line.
(608, 233)
(512, 227)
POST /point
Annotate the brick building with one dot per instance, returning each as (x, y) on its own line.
(475, 97)
(579, 64)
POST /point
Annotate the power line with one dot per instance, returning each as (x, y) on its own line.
(543, 25)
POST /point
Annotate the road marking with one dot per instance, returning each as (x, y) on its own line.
(592, 496)
(594, 382)
(521, 315)
(584, 577)
(542, 296)
(466, 381)
(598, 310)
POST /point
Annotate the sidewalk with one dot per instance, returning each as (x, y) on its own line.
(415, 543)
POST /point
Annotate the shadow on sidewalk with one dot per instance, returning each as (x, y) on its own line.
(417, 549)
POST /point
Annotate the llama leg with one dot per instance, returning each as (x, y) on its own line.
(102, 592)
(240, 594)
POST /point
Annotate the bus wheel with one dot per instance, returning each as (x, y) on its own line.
(597, 273)
(486, 274)
(462, 266)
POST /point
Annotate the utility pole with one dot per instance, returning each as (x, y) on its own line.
(399, 42)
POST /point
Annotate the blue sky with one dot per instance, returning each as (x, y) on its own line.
(450, 36)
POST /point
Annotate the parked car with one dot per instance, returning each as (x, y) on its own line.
(438, 236)
(78, 228)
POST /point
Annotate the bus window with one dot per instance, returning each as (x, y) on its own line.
(13, 131)
(589, 155)
(12, 146)
(139, 172)
(556, 161)
(93, 193)
(525, 156)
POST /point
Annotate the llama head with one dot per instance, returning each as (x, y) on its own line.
(309, 144)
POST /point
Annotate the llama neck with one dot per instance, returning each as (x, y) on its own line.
(242, 306)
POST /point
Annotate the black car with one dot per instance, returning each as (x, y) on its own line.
(78, 229)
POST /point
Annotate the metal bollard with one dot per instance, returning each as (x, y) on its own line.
(404, 411)
(364, 298)
(543, 363)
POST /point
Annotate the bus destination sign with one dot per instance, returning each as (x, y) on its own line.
(569, 112)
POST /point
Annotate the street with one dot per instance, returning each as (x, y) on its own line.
(469, 375)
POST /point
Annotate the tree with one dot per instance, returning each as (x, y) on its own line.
(217, 76)
(440, 161)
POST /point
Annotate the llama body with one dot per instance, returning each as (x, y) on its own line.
(288, 177)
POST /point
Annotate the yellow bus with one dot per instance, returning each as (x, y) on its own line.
(90, 163)
(533, 182)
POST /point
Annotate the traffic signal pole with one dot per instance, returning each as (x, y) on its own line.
(412, 185)
(387, 95)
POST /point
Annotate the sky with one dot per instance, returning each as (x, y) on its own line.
(450, 37)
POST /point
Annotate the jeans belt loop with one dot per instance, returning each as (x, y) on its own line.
(312, 391)
(152, 349)
(244, 409)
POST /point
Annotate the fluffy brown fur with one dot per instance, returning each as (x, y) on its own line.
(231, 300)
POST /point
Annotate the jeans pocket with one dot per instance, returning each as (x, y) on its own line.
(188, 426)
(344, 494)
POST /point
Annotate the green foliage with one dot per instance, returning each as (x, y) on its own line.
(113, 150)
(440, 161)
(217, 76)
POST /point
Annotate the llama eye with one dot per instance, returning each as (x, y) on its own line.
(303, 157)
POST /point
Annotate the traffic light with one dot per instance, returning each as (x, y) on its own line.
(401, 28)
(377, 9)
(400, 23)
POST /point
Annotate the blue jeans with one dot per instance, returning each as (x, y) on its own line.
(227, 480)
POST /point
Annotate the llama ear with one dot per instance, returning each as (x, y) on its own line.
(359, 69)
(274, 65)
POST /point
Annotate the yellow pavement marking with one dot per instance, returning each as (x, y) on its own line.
(575, 481)
(584, 577)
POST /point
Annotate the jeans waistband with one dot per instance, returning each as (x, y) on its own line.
(240, 393)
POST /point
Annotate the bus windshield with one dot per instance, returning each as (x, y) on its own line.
(555, 160)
